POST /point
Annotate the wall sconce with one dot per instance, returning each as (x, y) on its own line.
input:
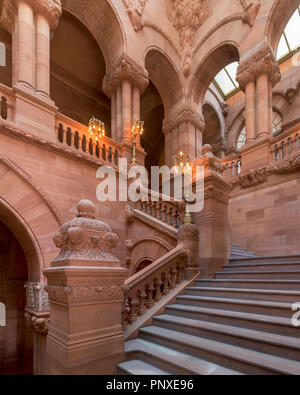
(96, 128)
(137, 129)
(183, 162)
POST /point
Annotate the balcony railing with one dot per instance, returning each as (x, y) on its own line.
(74, 135)
(285, 144)
(233, 166)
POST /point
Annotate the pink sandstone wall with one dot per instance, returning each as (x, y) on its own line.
(266, 220)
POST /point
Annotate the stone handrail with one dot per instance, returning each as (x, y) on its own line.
(149, 286)
(7, 103)
(285, 144)
(76, 136)
(161, 207)
(233, 166)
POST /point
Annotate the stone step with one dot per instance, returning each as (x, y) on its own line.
(281, 346)
(268, 259)
(265, 267)
(237, 358)
(276, 309)
(140, 368)
(171, 360)
(244, 293)
(260, 275)
(266, 323)
(288, 285)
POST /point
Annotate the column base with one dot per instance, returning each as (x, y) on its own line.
(35, 113)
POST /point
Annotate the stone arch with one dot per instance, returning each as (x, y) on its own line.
(279, 16)
(221, 55)
(235, 130)
(147, 249)
(102, 20)
(213, 124)
(166, 78)
(30, 215)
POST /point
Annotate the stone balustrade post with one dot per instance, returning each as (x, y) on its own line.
(213, 221)
(189, 237)
(85, 287)
(124, 84)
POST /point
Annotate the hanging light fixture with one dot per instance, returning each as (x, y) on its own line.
(96, 128)
(137, 129)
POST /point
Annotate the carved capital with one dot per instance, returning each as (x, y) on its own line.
(40, 324)
(209, 161)
(135, 10)
(263, 62)
(251, 9)
(85, 238)
(125, 70)
(186, 114)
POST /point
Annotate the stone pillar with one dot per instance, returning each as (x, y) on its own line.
(262, 97)
(37, 316)
(250, 111)
(42, 81)
(114, 116)
(128, 80)
(213, 221)
(85, 287)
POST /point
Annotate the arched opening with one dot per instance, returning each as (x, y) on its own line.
(212, 131)
(6, 68)
(77, 71)
(16, 340)
(290, 39)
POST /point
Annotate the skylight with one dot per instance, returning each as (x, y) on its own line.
(225, 80)
(290, 39)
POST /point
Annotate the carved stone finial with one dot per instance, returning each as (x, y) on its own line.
(85, 238)
(125, 70)
(263, 62)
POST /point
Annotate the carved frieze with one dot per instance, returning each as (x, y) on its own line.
(286, 166)
(251, 9)
(187, 16)
(135, 10)
(125, 70)
(254, 177)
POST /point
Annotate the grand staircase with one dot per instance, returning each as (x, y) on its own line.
(237, 323)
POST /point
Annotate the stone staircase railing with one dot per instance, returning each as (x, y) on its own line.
(148, 287)
(7, 105)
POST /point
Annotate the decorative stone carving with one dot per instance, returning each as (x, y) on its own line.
(129, 215)
(84, 237)
(251, 9)
(290, 95)
(186, 114)
(36, 296)
(290, 165)
(253, 178)
(225, 109)
(209, 161)
(39, 324)
(187, 16)
(129, 244)
(135, 10)
(263, 62)
(219, 145)
(125, 69)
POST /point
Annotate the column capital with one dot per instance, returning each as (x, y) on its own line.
(185, 114)
(262, 62)
(125, 69)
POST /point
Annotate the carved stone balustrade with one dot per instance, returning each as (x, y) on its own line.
(85, 286)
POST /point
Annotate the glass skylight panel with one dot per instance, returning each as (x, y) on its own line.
(226, 79)
(283, 48)
(290, 39)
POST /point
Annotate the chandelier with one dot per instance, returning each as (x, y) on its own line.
(96, 128)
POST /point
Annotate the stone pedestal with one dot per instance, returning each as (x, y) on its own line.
(213, 221)
(85, 286)
(189, 237)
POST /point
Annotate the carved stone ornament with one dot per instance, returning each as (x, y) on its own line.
(51, 9)
(129, 244)
(125, 70)
(187, 16)
(85, 238)
(263, 62)
(287, 166)
(186, 114)
(37, 296)
(39, 324)
(251, 9)
(253, 178)
(209, 161)
(135, 10)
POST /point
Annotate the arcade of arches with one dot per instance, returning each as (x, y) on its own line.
(212, 79)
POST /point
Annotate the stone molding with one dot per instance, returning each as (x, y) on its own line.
(251, 9)
(263, 62)
(50, 9)
(85, 238)
(156, 224)
(125, 70)
(185, 114)
(187, 16)
(135, 10)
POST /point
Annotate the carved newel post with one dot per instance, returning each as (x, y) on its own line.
(189, 236)
(85, 287)
(213, 222)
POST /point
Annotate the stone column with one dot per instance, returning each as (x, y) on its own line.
(213, 221)
(250, 93)
(262, 108)
(85, 286)
(37, 314)
(136, 107)
(119, 113)
(127, 118)
(42, 55)
(114, 116)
